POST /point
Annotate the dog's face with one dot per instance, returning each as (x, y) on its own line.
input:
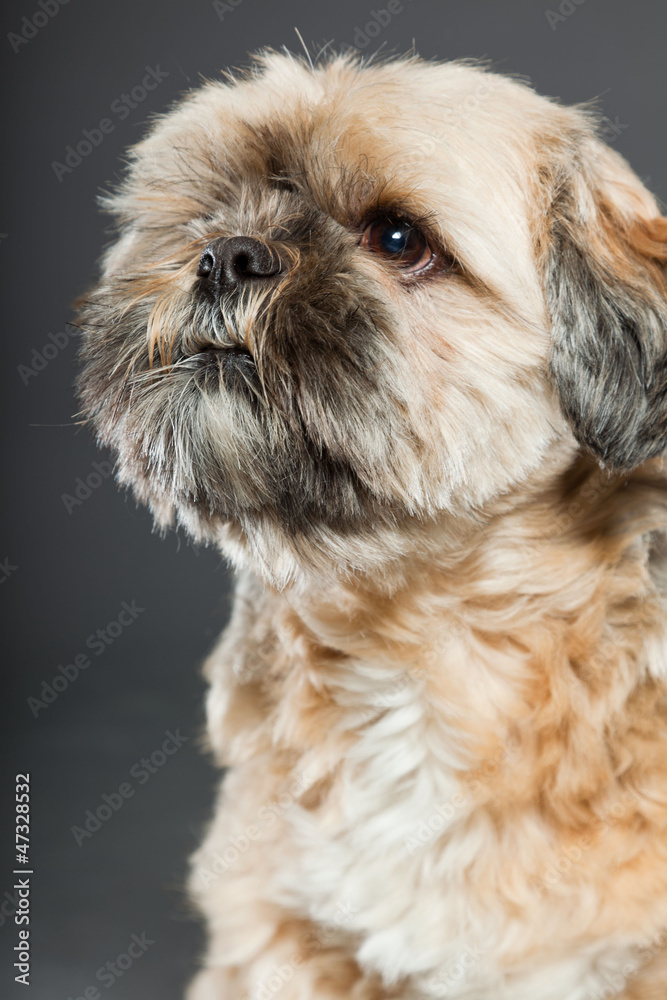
(346, 300)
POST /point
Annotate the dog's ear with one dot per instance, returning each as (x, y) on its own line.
(606, 282)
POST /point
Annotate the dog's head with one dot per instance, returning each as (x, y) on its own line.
(347, 299)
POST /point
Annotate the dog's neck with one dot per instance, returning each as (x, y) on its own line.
(538, 632)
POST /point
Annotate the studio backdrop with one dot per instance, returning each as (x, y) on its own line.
(107, 623)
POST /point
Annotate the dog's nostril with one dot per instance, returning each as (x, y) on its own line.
(205, 266)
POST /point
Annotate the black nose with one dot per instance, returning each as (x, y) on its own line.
(228, 261)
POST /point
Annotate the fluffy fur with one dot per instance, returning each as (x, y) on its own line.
(442, 696)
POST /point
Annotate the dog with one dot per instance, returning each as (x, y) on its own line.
(392, 335)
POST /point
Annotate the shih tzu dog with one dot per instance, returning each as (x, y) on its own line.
(393, 336)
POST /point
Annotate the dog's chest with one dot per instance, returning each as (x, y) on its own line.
(383, 857)
(402, 858)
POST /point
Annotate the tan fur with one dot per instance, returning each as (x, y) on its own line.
(442, 695)
(524, 655)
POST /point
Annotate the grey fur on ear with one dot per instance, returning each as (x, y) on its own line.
(607, 298)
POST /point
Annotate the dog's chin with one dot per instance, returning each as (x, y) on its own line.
(317, 519)
(250, 479)
(323, 554)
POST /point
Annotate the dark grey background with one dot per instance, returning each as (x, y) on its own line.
(73, 570)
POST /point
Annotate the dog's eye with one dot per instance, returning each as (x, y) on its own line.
(399, 241)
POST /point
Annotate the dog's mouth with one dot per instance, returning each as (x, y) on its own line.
(234, 364)
(226, 355)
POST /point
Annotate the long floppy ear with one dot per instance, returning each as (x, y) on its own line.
(607, 298)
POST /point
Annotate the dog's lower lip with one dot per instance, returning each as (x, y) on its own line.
(233, 364)
(232, 357)
(230, 353)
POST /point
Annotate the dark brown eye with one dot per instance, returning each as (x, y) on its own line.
(399, 241)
